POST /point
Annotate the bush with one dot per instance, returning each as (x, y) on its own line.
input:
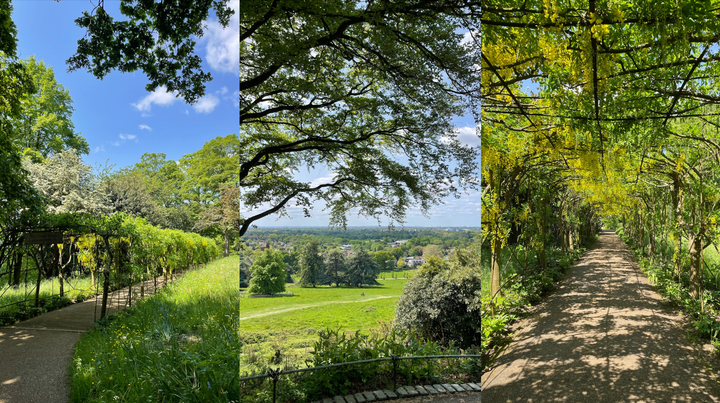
(439, 303)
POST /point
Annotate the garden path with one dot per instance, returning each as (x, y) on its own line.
(36, 354)
(603, 336)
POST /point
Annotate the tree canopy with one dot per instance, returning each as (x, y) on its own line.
(367, 90)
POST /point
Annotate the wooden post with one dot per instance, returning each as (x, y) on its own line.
(37, 287)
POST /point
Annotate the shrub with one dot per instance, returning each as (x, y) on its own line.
(439, 303)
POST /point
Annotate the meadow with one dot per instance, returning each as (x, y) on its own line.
(179, 345)
(282, 330)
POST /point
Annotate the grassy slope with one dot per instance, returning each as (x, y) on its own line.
(177, 346)
(310, 310)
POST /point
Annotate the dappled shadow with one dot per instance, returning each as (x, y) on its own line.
(603, 336)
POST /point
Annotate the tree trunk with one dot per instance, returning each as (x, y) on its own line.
(695, 259)
(106, 292)
(495, 275)
(227, 242)
(677, 221)
(17, 268)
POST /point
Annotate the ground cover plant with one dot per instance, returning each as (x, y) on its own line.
(179, 345)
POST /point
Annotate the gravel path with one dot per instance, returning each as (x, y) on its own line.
(603, 336)
(35, 355)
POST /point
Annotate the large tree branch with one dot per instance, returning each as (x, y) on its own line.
(248, 221)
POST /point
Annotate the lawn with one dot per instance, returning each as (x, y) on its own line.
(179, 345)
(282, 330)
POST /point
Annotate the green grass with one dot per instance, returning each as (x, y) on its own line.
(75, 289)
(283, 329)
(179, 345)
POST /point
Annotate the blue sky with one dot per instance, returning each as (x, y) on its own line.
(121, 120)
(117, 116)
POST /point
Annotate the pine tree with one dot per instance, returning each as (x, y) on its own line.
(335, 267)
(362, 269)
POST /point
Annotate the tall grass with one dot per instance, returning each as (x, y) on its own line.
(179, 345)
(76, 288)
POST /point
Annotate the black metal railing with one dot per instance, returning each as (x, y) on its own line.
(274, 375)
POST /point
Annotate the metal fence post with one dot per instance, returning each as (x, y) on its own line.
(275, 376)
(394, 360)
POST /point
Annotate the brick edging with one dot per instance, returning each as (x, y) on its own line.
(402, 392)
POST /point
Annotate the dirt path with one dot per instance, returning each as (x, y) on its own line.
(603, 336)
(35, 355)
(295, 308)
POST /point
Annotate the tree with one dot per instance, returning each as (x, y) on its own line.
(45, 124)
(335, 267)
(224, 214)
(362, 269)
(432, 250)
(384, 260)
(267, 273)
(210, 168)
(401, 263)
(415, 251)
(16, 193)
(360, 83)
(164, 179)
(128, 193)
(311, 264)
(68, 185)
(155, 37)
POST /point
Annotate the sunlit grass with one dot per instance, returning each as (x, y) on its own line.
(76, 288)
(177, 346)
(285, 328)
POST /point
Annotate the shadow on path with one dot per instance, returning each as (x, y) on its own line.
(603, 336)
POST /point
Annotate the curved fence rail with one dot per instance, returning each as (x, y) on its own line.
(275, 374)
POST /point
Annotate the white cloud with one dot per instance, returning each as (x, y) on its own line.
(223, 90)
(322, 180)
(469, 135)
(145, 127)
(99, 148)
(160, 97)
(187, 112)
(128, 136)
(206, 104)
(223, 44)
(116, 143)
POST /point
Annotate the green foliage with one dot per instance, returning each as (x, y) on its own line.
(438, 303)
(336, 267)
(210, 168)
(432, 250)
(45, 126)
(267, 273)
(157, 38)
(311, 264)
(176, 346)
(384, 260)
(361, 269)
(366, 80)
